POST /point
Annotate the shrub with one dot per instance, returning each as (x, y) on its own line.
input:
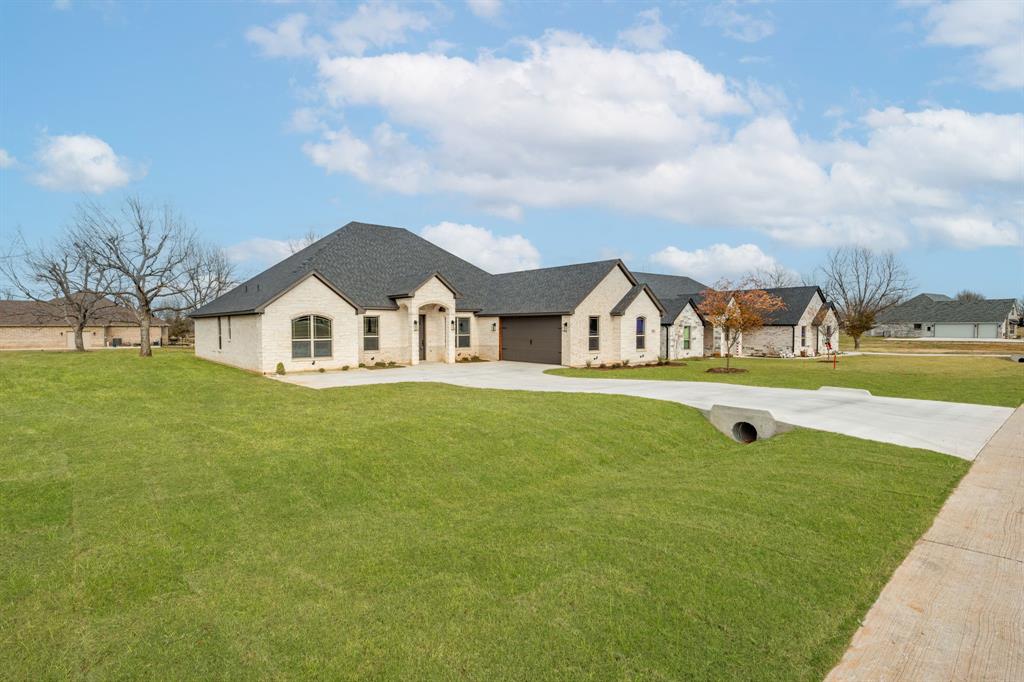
(280, 368)
(625, 363)
(345, 368)
(322, 370)
(380, 363)
(362, 364)
(391, 363)
(602, 365)
(476, 358)
(616, 365)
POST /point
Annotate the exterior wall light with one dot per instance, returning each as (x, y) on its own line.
(565, 327)
(453, 325)
(415, 325)
(494, 326)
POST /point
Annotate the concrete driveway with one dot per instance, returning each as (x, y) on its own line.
(952, 428)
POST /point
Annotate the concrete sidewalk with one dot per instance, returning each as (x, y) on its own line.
(953, 428)
(954, 609)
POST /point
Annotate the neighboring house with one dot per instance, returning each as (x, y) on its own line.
(369, 294)
(33, 325)
(807, 326)
(939, 316)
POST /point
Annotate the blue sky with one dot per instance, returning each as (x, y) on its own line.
(701, 138)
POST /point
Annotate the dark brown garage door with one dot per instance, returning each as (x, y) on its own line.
(532, 339)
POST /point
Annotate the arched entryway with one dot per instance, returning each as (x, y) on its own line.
(432, 339)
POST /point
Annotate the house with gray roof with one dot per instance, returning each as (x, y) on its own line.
(939, 316)
(371, 294)
(368, 294)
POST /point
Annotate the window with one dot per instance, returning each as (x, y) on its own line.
(311, 337)
(828, 333)
(229, 329)
(803, 336)
(595, 333)
(462, 338)
(641, 333)
(371, 333)
(686, 337)
(220, 340)
(917, 325)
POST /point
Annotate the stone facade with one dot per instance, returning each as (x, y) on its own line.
(675, 342)
(642, 306)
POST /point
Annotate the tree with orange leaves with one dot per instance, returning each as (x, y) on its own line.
(736, 309)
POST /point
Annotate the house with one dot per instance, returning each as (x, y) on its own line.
(939, 316)
(35, 325)
(369, 294)
(806, 326)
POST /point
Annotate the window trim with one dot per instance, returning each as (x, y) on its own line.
(468, 335)
(641, 332)
(375, 336)
(594, 338)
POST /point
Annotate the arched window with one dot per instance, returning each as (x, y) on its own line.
(641, 333)
(311, 337)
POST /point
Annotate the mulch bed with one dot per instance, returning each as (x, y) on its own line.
(620, 367)
(725, 370)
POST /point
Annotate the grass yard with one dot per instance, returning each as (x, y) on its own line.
(988, 381)
(174, 519)
(878, 344)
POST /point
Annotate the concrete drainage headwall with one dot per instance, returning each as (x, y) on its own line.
(745, 425)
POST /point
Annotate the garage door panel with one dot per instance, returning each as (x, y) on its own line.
(954, 331)
(532, 339)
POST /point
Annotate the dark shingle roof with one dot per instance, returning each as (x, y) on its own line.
(796, 300)
(368, 263)
(674, 292)
(371, 265)
(40, 314)
(923, 308)
(621, 306)
(547, 290)
(938, 297)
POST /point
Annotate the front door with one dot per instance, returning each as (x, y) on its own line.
(423, 338)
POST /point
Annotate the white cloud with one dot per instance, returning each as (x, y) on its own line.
(994, 28)
(571, 123)
(648, 33)
(714, 262)
(485, 9)
(81, 163)
(305, 120)
(61, 5)
(483, 248)
(286, 39)
(745, 27)
(259, 252)
(6, 160)
(372, 25)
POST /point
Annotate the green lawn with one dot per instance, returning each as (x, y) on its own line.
(174, 519)
(989, 381)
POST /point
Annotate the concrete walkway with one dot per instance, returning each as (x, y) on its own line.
(952, 428)
(954, 610)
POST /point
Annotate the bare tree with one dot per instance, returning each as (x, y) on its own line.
(773, 277)
(146, 249)
(296, 245)
(863, 283)
(63, 278)
(966, 295)
(206, 274)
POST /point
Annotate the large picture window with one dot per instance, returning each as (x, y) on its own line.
(462, 337)
(641, 333)
(594, 333)
(371, 333)
(311, 337)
